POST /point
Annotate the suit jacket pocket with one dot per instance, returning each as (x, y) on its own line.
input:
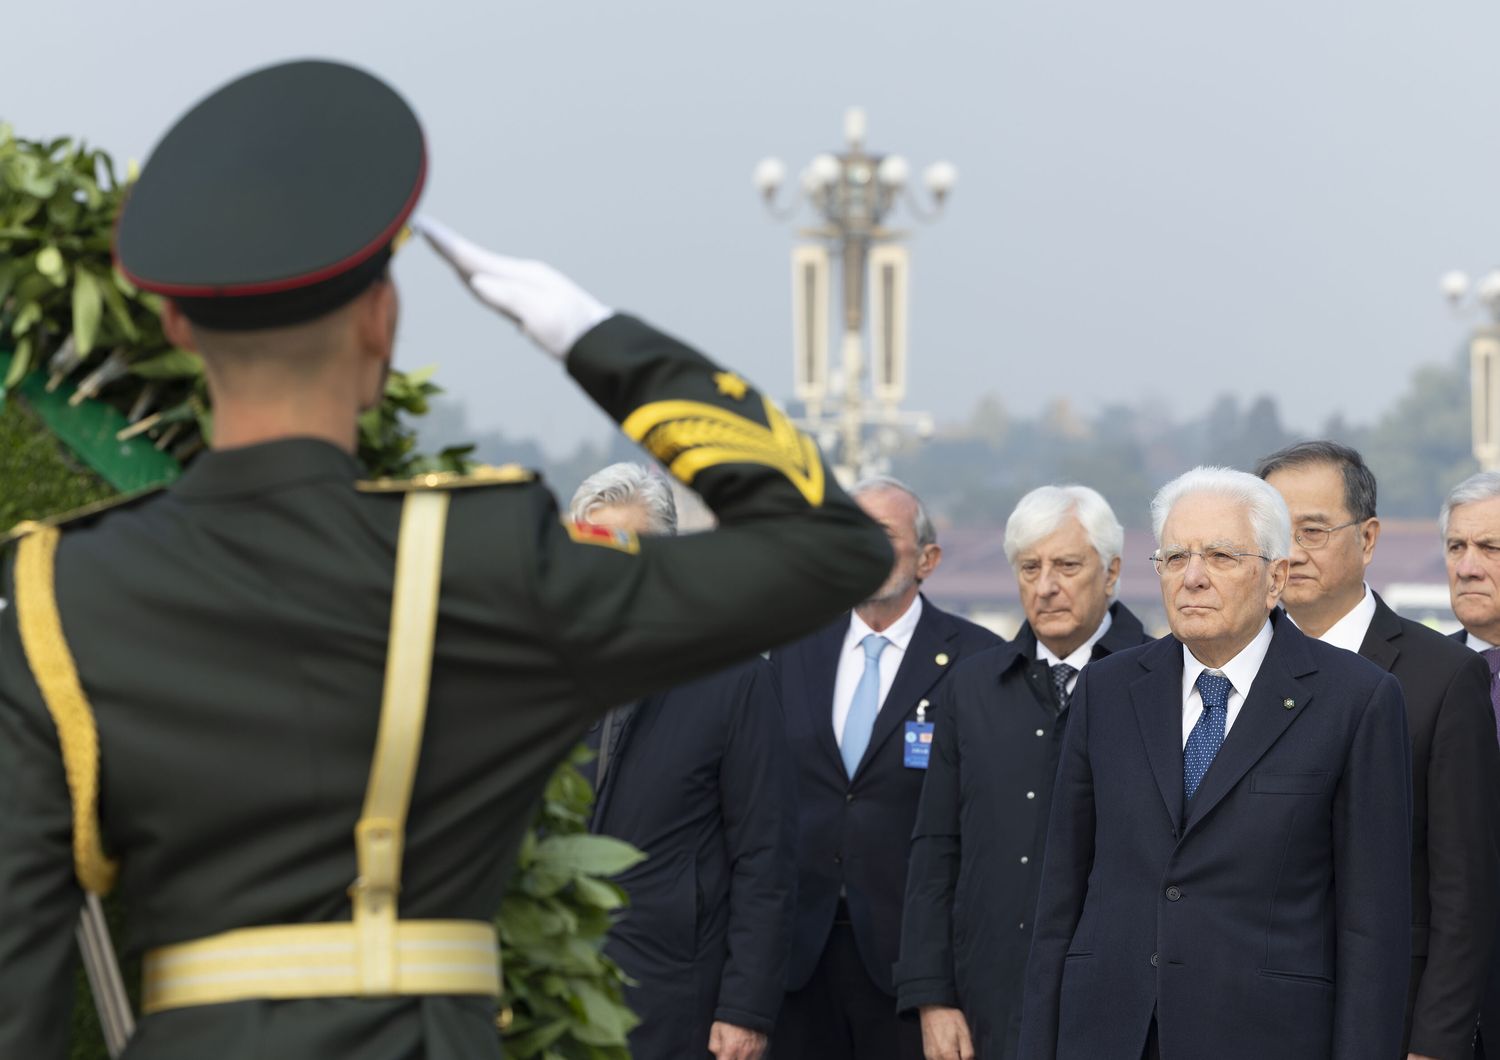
(1298, 977)
(1266, 783)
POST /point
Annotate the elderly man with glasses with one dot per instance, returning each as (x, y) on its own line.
(1330, 493)
(1227, 868)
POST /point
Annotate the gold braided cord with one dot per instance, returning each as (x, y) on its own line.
(689, 436)
(56, 675)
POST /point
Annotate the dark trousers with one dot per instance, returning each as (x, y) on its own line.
(841, 1014)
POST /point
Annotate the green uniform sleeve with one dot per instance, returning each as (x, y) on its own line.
(792, 550)
(39, 897)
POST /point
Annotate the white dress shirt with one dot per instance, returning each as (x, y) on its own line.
(1240, 670)
(1476, 644)
(1080, 655)
(1349, 632)
(852, 661)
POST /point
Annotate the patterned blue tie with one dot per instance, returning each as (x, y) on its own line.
(864, 706)
(1203, 742)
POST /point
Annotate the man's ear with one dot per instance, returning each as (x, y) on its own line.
(375, 318)
(176, 326)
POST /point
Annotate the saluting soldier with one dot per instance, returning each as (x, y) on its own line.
(302, 720)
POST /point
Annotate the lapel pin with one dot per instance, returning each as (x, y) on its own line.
(942, 658)
(1288, 703)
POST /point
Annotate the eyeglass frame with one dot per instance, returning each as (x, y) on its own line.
(1157, 559)
(1326, 531)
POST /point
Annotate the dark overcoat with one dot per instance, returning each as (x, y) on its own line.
(700, 780)
(976, 854)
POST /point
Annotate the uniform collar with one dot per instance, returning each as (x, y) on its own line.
(254, 469)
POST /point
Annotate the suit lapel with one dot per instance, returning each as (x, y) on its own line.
(1261, 720)
(1157, 697)
(919, 671)
(821, 663)
(1382, 640)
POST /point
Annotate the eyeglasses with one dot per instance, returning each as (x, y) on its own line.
(1315, 537)
(1219, 560)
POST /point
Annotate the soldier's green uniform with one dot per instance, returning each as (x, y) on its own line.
(230, 637)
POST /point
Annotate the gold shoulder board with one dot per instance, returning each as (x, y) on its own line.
(483, 475)
(78, 515)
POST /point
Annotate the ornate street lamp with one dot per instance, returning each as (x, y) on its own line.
(852, 193)
(1484, 359)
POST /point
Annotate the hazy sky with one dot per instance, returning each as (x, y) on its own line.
(1170, 197)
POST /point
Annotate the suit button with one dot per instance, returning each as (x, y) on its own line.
(838, 859)
(1041, 732)
(848, 797)
(1024, 859)
(1031, 794)
(1173, 894)
(1154, 959)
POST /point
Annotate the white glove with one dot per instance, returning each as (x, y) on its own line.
(553, 310)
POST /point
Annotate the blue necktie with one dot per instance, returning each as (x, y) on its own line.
(864, 706)
(1204, 741)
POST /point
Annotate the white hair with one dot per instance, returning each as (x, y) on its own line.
(926, 532)
(1269, 520)
(1480, 487)
(1043, 510)
(627, 484)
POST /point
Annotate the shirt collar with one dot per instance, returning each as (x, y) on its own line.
(1240, 670)
(898, 632)
(1349, 632)
(1478, 644)
(1080, 656)
(254, 469)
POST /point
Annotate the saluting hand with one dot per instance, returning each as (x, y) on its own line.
(728, 1042)
(945, 1034)
(551, 309)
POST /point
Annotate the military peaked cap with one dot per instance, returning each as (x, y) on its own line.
(276, 199)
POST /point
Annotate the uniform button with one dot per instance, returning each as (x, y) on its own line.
(1024, 859)
(1022, 925)
(1041, 732)
(1031, 794)
(1154, 959)
(1173, 894)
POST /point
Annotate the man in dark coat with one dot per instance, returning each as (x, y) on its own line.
(1470, 524)
(1228, 859)
(1330, 493)
(857, 698)
(976, 853)
(304, 719)
(698, 777)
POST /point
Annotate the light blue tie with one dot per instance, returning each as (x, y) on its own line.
(1204, 741)
(864, 706)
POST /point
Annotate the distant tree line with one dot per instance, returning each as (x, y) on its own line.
(975, 471)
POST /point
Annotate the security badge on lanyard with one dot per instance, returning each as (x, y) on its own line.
(918, 740)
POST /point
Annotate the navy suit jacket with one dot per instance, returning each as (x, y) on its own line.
(701, 781)
(855, 832)
(1269, 919)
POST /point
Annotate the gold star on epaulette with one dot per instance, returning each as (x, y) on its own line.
(731, 385)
